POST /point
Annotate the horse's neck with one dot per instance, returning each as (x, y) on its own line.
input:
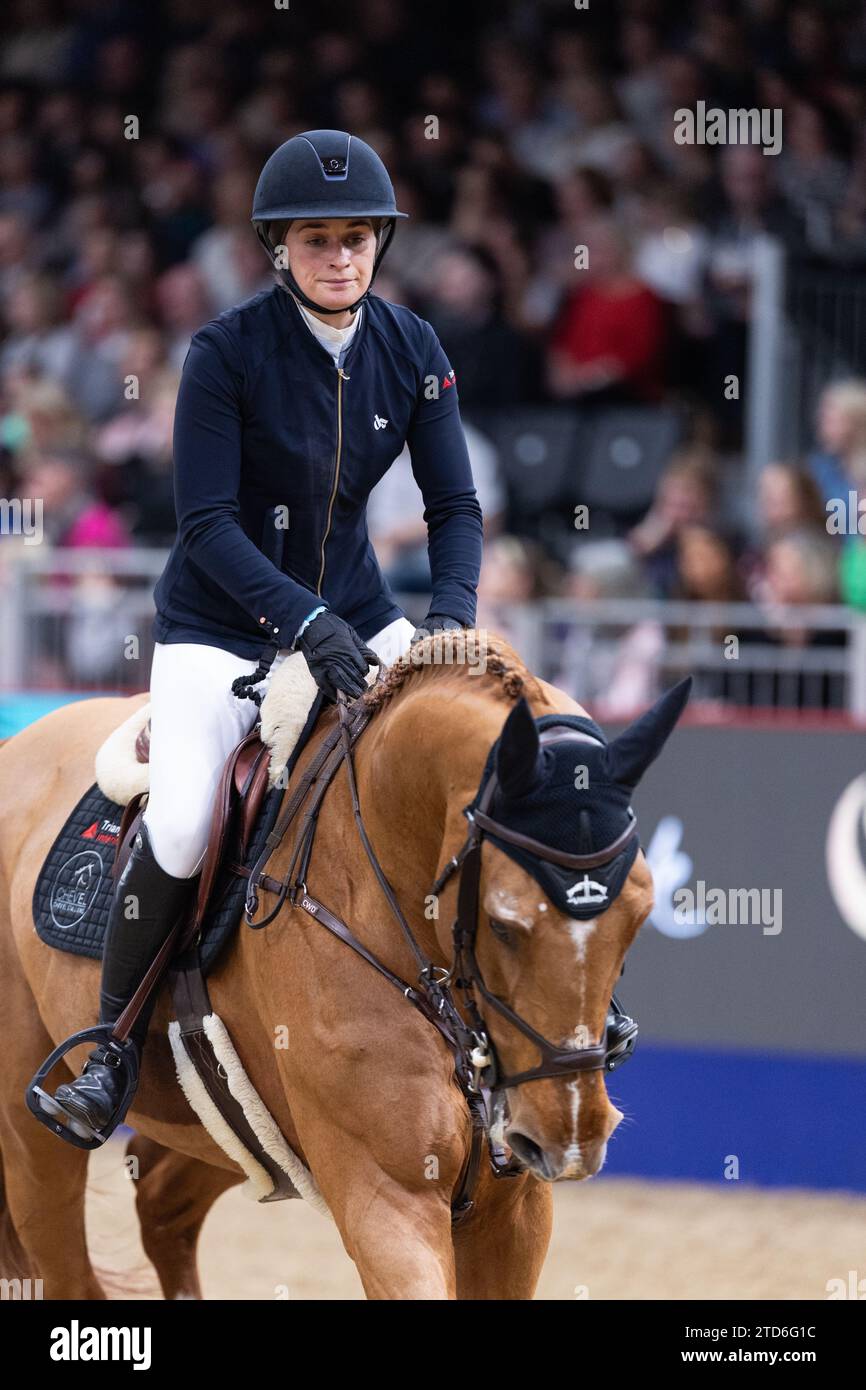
(417, 765)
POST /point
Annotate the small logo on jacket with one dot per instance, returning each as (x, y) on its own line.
(449, 380)
(378, 422)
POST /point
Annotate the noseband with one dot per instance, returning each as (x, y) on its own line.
(466, 972)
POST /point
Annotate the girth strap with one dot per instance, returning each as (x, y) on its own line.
(192, 1005)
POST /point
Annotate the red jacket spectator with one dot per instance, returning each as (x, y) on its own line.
(618, 328)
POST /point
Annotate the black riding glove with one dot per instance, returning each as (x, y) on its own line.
(435, 622)
(336, 656)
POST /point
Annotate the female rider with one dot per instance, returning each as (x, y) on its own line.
(291, 407)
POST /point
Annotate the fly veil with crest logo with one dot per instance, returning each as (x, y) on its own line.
(561, 808)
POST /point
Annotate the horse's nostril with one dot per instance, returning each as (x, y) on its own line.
(526, 1149)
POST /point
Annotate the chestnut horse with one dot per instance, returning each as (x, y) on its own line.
(365, 1092)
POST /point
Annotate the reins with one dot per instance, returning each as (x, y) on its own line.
(476, 1065)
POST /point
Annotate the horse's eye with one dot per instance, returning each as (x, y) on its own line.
(500, 930)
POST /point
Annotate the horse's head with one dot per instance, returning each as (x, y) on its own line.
(556, 899)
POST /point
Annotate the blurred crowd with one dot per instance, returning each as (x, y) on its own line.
(131, 137)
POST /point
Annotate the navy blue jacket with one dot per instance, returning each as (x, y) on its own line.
(266, 421)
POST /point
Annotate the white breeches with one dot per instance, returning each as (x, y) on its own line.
(196, 721)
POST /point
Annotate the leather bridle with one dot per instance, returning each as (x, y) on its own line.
(476, 1064)
(466, 971)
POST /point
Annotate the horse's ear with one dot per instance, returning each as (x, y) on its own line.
(517, 753)
(631, 752)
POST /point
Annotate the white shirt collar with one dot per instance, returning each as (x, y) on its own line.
(334, 339)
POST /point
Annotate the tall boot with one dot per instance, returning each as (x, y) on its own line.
(131, 943)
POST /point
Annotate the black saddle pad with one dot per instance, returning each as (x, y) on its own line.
(75, 887)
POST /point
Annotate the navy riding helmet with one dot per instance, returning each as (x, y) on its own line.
(324, 173)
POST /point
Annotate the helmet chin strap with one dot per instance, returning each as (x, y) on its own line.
(291, 283)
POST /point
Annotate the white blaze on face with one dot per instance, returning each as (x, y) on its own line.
(580, 932)
(573, 1158)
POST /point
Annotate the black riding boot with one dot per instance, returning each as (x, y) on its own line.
(131, 943)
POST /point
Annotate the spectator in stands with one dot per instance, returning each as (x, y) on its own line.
(493, 363)
(413, 254)
(21, 190)
(608, 344)
(640, 88)
(228, 275)
(183, 308)
(802, 569)
(582, 196)
(40, 343)
(839, 462)
(685, 496)
(517, 105)
(750, 208)
(94, 256)
(707, 565)
(613, 667)
(48, 419)
(671, 257)
(72, 515)
(98, 612)
(16, 253)
(399, 533)
(512, 575)
(788, 501)
(140, 428)
(602, 135)
(684, 84)
(811, 176)
(106, 318)
(671, 245)
(839, 468)
(135, 447)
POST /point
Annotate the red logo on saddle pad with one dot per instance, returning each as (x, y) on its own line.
(106, 832)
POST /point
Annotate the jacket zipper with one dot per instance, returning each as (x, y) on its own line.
(341, 377)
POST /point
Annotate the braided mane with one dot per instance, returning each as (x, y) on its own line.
(442, 657)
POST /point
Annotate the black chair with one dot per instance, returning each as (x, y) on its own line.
(627, 450)
(540, 450)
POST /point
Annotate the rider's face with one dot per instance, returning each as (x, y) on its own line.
(332, 260)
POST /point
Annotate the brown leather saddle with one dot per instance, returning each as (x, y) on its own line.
(240, 793)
